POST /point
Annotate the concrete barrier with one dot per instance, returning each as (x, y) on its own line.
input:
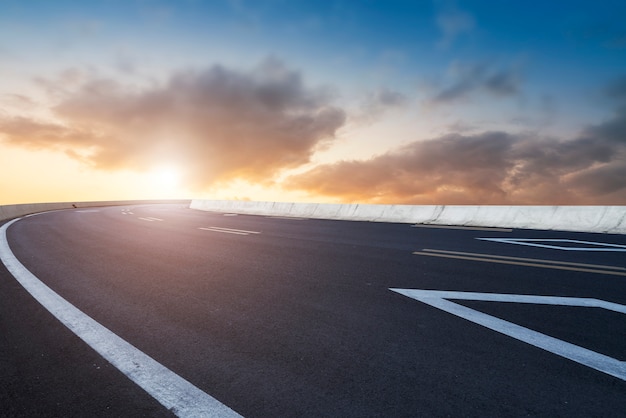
(604, 219)
(15, 211)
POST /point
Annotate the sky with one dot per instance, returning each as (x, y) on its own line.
(341, 101)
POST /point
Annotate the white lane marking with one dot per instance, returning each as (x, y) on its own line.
(175, 393)
(235, 230)
(539, 260)
(600, 362)
(147, 219)
(469, 228)
(600, 246)
(224, 231)
(520, 263)
(291, 218)
(152, 218)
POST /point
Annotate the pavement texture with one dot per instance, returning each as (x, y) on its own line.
(294, 317)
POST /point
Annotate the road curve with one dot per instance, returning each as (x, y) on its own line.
(295, 317)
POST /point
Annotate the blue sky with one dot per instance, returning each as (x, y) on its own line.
(419, 102)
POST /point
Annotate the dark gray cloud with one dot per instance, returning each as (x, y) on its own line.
(378, 102)
(218, 122)
(612, 130)
(485, 168)
(476, 78)
(616, 90)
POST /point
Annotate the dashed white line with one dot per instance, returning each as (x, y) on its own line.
(229, 230)
(151, 219)
(175, 393)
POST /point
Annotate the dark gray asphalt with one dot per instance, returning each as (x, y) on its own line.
(299, 319)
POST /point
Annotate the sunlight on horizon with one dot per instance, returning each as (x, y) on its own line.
(166, 177)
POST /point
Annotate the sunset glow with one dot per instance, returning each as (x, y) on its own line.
(442, 102)
(167, 177)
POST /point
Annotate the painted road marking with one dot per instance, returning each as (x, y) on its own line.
(599, 266)
(599, 246)
(229, 230)
(151, 219)
(175, 393)
(224, 232)
(469, 228)
(600, 362)
(291, 218)
(127, 212)
(487, 258)
(230, 214)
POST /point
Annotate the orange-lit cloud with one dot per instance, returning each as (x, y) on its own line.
(221, 125)
(485, 168)
(218, 123)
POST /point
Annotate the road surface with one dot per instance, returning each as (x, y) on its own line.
(288, 317)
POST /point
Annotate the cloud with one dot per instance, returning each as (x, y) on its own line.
(452, 23)
(378, 102)
(484, 168)
(33, 134)
(468, 79)
(616, 89)
(219, 123)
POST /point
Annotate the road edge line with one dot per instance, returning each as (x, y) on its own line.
(171, 390)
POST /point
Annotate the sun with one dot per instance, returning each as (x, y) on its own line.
(166, 177)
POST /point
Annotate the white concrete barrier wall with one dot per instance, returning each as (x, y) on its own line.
(604, 219)
(15, 211)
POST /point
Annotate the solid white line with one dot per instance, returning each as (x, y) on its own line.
(521, 263)
(570, 351)
(469, 228)
(505, 297)
(291, 218)
(172, 391)
(539, 260)
(531, 243)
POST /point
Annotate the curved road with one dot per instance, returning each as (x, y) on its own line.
(295, 317)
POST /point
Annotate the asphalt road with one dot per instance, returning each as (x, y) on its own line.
(279, 317)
